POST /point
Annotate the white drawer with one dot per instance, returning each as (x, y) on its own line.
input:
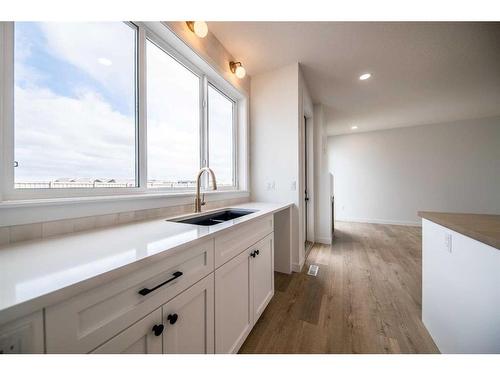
(230, 244)
(85, 321)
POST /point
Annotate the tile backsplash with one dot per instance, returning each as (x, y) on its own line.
(34, 231)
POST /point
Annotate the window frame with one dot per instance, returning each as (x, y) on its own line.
(145, 31)
(234, 134)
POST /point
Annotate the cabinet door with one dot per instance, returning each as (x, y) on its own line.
(139, 338)
(189, 320)
(23, 336)
(262, 274)
(233, 303)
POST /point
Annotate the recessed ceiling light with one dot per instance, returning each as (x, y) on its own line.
(364, 76)
(104, 61)
(354, 127)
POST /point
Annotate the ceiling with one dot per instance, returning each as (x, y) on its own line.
(422, 72)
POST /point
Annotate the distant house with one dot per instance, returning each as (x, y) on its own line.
(86, 180)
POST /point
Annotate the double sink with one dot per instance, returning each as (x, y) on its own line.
(215, 218)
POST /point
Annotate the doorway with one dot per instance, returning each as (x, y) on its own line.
(308, 243)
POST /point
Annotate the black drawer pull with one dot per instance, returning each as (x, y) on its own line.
(253, 254)
(172, 318)
(175, 275)
(158, 329)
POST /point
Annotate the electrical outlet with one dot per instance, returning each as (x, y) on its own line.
(271, 185)
(448, 242)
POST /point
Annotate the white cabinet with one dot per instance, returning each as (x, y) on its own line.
(189, 320)
(143, 337)
(262, 275)
(82, 323)
(232, 243)
(243, 287)
(202, 298)
(24, 335)
(233, 305)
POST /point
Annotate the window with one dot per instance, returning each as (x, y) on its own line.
(173, 121)
(74, 105)
(220, 136)
(111, 108)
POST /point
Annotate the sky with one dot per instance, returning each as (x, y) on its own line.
(75, 111)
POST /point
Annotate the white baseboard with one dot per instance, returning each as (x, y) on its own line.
(297, 267)
(381, 221)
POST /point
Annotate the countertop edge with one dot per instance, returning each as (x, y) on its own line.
(460, 227)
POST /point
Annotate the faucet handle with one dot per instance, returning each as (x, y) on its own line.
(203, 200)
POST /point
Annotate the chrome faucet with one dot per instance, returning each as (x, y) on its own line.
(198, 202)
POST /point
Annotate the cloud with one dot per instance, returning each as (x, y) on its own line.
(59, 136)
(84, 44)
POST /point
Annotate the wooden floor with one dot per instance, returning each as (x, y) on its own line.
(366, 297)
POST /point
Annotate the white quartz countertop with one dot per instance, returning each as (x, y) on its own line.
(35, 274)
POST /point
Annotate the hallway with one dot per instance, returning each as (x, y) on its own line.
(366, 297)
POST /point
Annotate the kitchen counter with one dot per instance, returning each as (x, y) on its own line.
(460, 279)
(38, 273)
(480, 227)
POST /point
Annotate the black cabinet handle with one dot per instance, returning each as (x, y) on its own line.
(158, 329)
(172, 318)
(254, 253)
(175, 275)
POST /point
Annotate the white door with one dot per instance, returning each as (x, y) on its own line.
(262, 274)
(143, 337)
(189, 320)
(233, 303)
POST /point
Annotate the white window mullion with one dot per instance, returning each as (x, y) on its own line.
(142, 169)
(7, 108)
(204, 129)
(235, 146)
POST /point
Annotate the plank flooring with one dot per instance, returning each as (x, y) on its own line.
(366, 297)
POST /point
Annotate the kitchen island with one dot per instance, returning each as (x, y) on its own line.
(461, 281)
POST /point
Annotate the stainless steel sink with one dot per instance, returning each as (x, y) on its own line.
(215, 218)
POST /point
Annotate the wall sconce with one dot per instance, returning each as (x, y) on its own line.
(200, 28)
(237, 69)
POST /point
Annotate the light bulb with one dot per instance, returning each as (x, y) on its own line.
(364, 77)
(200, 28)
(240, 72)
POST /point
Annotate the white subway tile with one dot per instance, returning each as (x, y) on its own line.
(106, 220)
(4, 235)
(25, 232)
(54, 228)
(83, 223)
(126, 217)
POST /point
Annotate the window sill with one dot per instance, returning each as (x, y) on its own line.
(211, 195)
(16, 212)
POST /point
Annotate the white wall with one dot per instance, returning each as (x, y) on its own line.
(387, 176)
(275, 112)
(321, 176)
(306, 110)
